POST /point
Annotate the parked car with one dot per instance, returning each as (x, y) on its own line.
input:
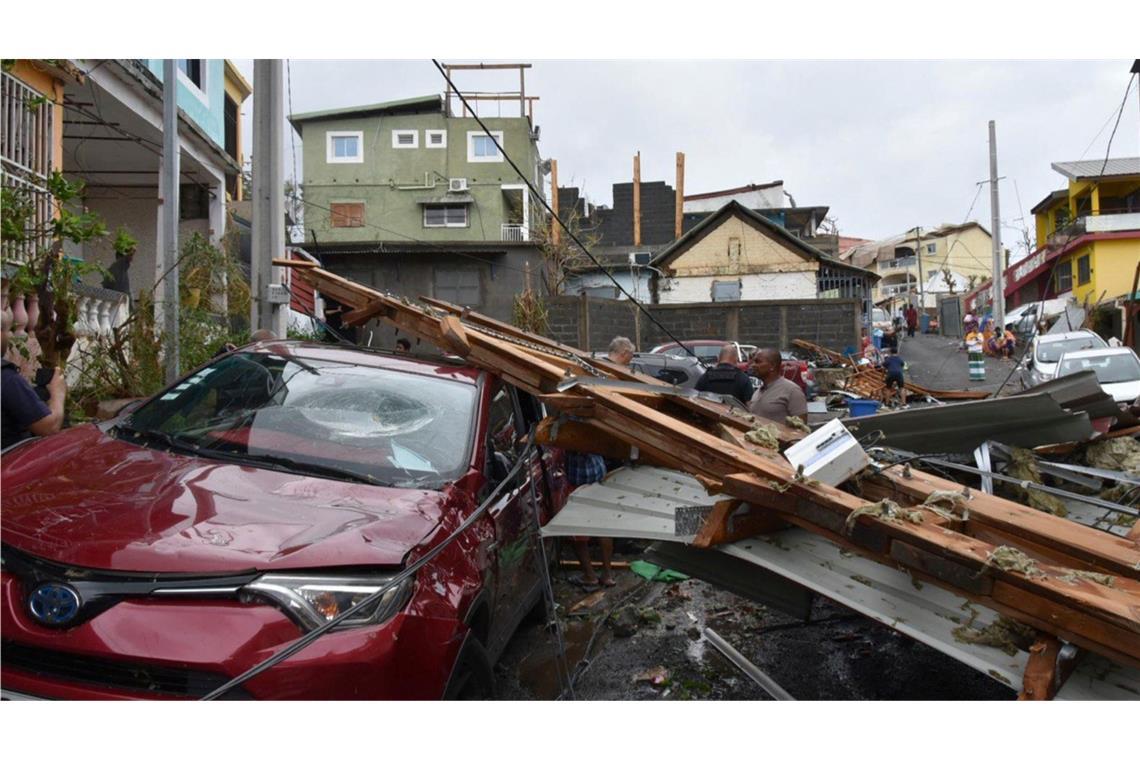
(799, 371)
(167, 551)
(1117, 370)
(1045, 350)
(708, 352)
(683, 371)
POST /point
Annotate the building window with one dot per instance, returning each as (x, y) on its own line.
(481, 148)
(435, 138)
(458, 285)
(344, 147)
(449, 215)
(932, 248)
(1084, 270)
(405, 138)
(1064, 277)
(726, 290)
(1061, 218)
(193, 202)
(346, 214)
(194, 70)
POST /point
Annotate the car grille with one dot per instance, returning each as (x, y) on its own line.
(115, 674)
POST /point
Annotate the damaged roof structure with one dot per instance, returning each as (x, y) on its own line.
(1070, 585)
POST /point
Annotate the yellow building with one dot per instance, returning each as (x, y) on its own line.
(950, 258)
(1088, 236)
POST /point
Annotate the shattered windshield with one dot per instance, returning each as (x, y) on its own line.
(327, 418)
(1051, 352)
(1114, 368)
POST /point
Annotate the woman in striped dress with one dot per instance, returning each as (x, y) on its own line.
(975, 345)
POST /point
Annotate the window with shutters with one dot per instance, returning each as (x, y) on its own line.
(459, 286)
(405, 138)
(347, 214)
(726, 290)
(445, 215)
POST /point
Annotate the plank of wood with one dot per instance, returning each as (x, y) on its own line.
(733, 520)
(1015, 523)
(1040, 681)
(364, 313)
(1102, 619)
(455, 336)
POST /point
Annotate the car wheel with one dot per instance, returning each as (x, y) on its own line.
(471, 679)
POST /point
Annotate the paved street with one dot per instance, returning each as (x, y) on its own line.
(939, 362)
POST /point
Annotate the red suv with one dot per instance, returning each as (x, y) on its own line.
(163, 553)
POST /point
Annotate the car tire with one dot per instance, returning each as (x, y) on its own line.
(472, 677)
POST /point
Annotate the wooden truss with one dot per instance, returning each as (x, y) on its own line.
(1066, 580)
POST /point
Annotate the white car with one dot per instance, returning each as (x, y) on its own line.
(1117, 370)
(1046, 350)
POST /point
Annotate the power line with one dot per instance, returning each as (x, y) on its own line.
(541, 199)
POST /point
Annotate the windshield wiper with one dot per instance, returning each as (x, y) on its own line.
(279, 462)
(171, 442)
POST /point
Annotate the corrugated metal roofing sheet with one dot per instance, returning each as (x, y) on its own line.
(641, 503)
(1115, 167)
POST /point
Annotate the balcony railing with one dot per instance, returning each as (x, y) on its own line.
(895, 290)
(904, 263)
(26, 147)
(514, 233)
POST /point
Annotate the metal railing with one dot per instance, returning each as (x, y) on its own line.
(514, 233)
(26, 155)
(902, 263)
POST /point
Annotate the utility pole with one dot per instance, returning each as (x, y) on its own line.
(918, 255)
(268, 194)
(637, 199)
(169, 212)
(998, 291)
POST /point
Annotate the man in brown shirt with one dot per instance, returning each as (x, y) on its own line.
(779, 398)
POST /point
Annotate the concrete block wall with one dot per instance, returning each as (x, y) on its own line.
(591, 323)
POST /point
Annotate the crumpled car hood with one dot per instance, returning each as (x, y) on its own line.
(84, 498)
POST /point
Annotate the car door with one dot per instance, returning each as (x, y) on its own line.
(513, 565)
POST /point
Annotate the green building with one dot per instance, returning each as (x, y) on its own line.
(406, 197)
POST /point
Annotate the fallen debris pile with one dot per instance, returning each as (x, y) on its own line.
(751, 490)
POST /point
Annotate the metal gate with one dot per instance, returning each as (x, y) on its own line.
(950, 316)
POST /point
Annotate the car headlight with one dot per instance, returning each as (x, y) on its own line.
(313, 600)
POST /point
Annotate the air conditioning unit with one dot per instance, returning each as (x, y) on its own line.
(639, 259)
(457, 185)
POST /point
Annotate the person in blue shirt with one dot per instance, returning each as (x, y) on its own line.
(894, 365)
(23, 414)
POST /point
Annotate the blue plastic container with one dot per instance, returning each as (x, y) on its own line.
(862, 407)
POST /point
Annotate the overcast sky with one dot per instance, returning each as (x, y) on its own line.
(887, 145)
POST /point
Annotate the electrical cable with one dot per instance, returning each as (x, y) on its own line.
(542, 200)
(1069, 226)
(399, 578)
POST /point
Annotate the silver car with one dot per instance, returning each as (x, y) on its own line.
(1045, 351)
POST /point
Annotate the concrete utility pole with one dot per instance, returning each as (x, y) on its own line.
(918, 255)
(169, 213)
(997, 288)
(268, 194)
